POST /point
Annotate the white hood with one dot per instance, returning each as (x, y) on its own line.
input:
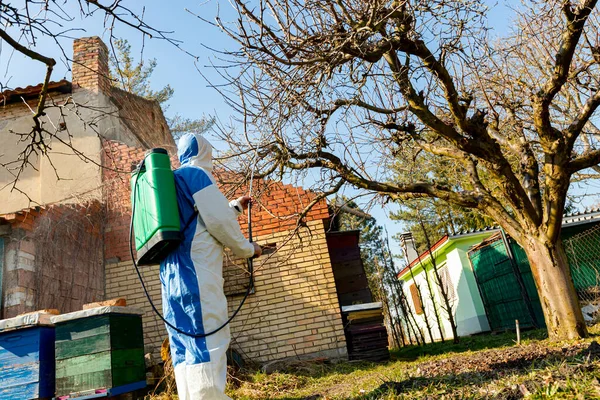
(194, 149)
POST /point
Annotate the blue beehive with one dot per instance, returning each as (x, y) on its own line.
(27, 357)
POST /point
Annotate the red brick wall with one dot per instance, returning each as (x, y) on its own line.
(118, 160)
(277, 206)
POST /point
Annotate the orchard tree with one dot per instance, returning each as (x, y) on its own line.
(347, 88)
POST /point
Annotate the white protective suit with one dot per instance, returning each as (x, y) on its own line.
(192, 275)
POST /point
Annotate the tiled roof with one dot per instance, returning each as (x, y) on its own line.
(581, 217)
(30, 92)
(23, 218)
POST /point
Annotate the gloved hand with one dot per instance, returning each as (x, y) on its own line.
(257, 250)
(244, 201)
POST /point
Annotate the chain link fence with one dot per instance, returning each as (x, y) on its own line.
(583, 252)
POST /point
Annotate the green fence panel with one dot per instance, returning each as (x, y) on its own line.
(500, 289)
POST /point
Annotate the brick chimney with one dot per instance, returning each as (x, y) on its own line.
(90, 65)
(408, 245)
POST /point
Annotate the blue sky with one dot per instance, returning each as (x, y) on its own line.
(193, 97)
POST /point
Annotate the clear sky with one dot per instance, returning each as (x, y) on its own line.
(193, 97)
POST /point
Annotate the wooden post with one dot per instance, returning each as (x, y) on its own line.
(518, 332)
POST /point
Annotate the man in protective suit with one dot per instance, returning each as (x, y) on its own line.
(192, 275)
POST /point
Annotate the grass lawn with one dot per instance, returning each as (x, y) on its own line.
(486, 366)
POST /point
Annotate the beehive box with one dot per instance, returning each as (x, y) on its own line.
(99, 348)
(27, 357)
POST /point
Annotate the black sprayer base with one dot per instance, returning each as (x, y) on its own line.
(158, 247)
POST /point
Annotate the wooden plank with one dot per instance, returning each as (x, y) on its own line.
(86, 364)
(84, 346)
(82, 328)
(121, 302)
(98, 334)
(26, 390)
(78, 383)
(52, 311)
(20, 381)
(128, 366)
(357, 315)
(347, 268)
(368, 321)
(100, 370)
(19, 347)
(352, 283)
(361, 296)
(83, 373)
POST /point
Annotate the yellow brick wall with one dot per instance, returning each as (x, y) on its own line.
(294, 311)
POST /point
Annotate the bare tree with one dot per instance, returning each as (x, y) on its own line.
(347, 87)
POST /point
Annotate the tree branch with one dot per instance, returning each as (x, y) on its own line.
(586, 160)
(543, 99)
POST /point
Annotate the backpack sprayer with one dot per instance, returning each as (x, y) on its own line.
(155, 219)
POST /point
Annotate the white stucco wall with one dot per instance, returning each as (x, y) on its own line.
(468, 309)
(470, 314)
(428, 308)
(65, 175)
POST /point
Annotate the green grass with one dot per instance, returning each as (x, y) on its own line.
(486, 366)
(470, 343)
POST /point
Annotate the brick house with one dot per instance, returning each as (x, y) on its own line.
(51, 256)
(74, 249)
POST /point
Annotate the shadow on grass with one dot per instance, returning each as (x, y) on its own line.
(469, 343)
(471, 380)
(452, 373)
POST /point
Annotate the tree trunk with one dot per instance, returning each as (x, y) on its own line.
(550, 269)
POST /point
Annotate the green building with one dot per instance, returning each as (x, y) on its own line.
(487, 290)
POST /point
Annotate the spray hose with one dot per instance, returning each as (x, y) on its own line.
(137, 269)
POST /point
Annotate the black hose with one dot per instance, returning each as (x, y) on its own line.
(137, 269)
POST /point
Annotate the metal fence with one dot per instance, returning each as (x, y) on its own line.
(583, 253)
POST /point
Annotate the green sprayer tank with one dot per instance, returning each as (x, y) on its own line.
(156, 215)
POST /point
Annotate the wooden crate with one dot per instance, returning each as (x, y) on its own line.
(27, 363)
(99, 352)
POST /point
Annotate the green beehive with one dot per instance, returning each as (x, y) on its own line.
(99, 349)
(156, 215)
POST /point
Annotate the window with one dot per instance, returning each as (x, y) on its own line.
(414, 293)
(447, 284)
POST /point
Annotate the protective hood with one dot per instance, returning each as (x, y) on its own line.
(194, 149)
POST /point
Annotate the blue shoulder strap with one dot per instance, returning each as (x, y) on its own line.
(192, 206)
